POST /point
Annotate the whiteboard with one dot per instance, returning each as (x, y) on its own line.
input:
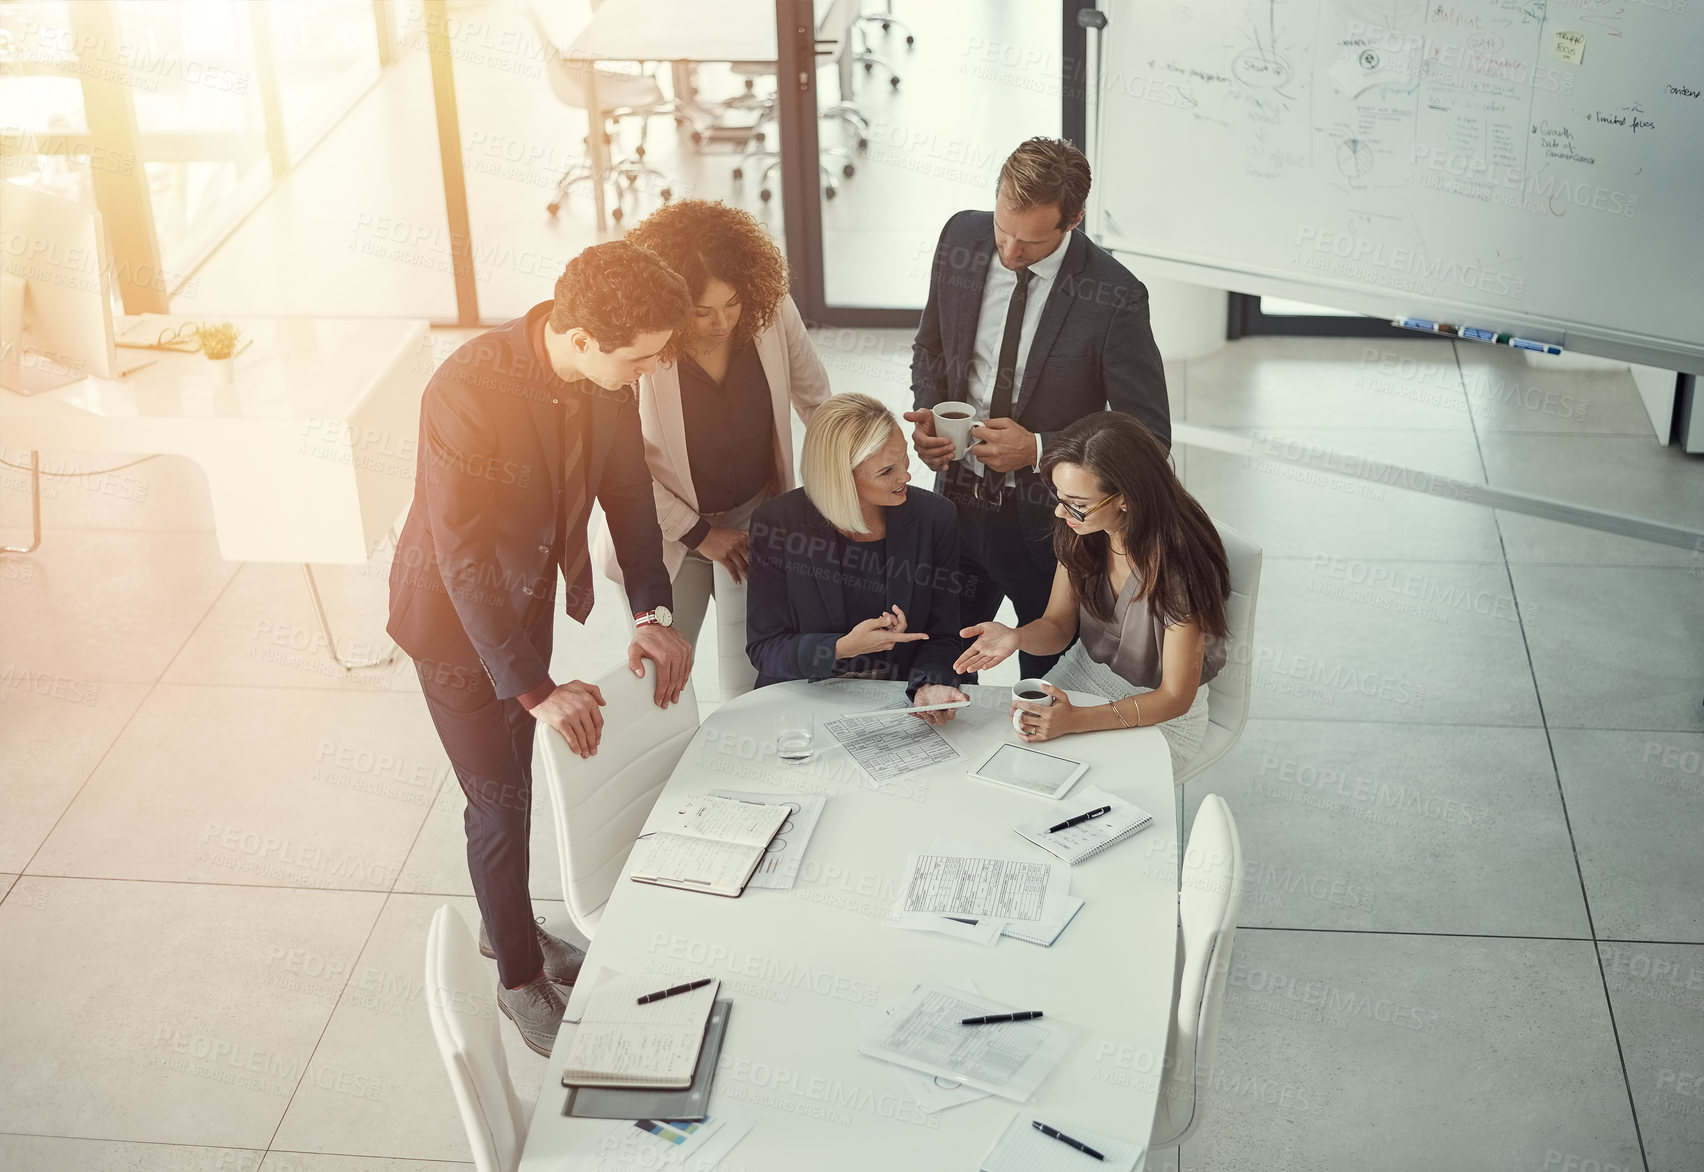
(1529, 166)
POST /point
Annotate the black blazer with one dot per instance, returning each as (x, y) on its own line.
(796, 605)
(1093, 348)
(487, 492)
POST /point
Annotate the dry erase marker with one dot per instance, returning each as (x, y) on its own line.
(1537, 347)
(1080, 819)
(992, 1018)
(1065, 1139)
(1429, 327)
(686, 988)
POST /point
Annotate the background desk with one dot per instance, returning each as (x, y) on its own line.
(801, 965)
(309, 454)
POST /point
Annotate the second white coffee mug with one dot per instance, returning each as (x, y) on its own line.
(1030, 691)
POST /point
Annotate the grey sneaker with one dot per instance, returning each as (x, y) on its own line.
(536, 1009)
(562, 960)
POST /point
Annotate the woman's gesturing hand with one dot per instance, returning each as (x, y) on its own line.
(873, 636)
(995, 643)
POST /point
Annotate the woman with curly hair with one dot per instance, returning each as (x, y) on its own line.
(1142, 580)
(717, 435)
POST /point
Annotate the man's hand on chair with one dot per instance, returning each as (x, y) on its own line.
(672, 655)
(572, 710)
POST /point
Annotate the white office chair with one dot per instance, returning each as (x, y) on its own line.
(620, 95)
(1228, 692)
(464, 1021)
(601, 802)
(1209, 897)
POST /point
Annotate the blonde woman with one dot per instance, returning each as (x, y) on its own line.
(718, 437)
(856, 574)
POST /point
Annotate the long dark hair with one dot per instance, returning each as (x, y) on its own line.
(1170, 540)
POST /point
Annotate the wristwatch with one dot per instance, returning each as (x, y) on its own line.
(662, 616)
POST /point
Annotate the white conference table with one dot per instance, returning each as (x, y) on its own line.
(802, 966)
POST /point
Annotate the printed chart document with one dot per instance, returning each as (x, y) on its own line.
(1010, 1059)
(892, 748)
(786, 853)
(1086, 839)
(708, 844)
(1021, 1148)
(981, 888)
(659, 1143)
(620, 1043)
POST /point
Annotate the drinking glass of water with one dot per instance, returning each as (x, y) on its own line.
(795, 734)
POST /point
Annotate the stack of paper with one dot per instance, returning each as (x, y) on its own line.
(978, 896)
(1010, 1059)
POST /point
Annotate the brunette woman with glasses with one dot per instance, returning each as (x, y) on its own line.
(1142, 584)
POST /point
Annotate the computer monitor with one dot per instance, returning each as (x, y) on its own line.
(55, 292)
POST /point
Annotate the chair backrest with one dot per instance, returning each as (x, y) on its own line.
(567, 78)
(463, 1009)
(601, 802)
(1228, 692)
(1209, 898)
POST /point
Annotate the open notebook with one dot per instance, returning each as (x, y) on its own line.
(620, 1043)
(708, 844)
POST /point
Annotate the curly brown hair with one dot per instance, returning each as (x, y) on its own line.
(615, 292)
(705, 240)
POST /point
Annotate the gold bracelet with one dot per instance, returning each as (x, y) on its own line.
(1117, 713)
(1137, 705)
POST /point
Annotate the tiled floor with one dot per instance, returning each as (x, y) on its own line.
(1470, 797)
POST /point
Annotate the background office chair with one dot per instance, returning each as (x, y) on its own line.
(601, 802)
(620, 95)
(1209, 897)
(1228, 692)
(458, 985)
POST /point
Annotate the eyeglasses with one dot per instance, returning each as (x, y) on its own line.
(1073, 510)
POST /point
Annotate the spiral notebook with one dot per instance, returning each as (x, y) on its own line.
(1086, 839)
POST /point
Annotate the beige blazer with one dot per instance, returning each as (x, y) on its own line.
(795, 374)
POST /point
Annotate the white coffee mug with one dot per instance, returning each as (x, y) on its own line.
(953, 421)
(1030, 691)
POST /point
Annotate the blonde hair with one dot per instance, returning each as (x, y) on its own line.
(1046, 171)
(844, 432)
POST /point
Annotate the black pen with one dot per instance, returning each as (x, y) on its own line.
(1070, 822)
(991, 1018)
(1065, 1139)
(686, 988)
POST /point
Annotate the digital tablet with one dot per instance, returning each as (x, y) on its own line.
(1030, 770)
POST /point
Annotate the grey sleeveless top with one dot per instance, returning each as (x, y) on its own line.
(1131, 643)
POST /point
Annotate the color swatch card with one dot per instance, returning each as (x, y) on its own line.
(1023, 1147)
(659, 1143)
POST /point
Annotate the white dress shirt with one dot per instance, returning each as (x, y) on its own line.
(991, 330)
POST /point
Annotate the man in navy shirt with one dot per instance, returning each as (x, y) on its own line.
(519, 430)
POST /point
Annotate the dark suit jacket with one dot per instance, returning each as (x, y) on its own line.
(796, 606)
(474, 561)
(1093, 348)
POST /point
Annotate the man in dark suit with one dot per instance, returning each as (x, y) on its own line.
(1056, 330)
(519, 429)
